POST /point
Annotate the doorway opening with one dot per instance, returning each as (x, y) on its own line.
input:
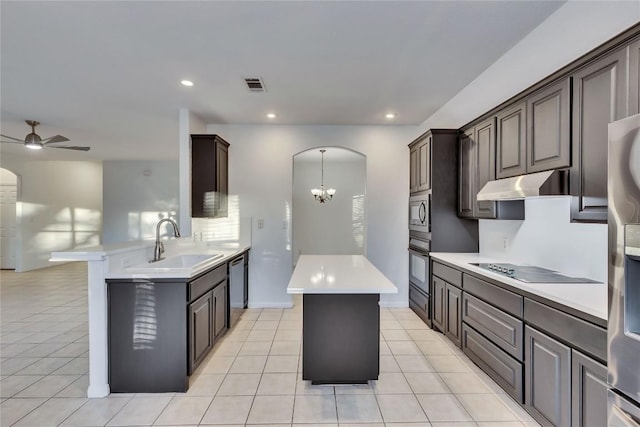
(8, 219)
(337, 226)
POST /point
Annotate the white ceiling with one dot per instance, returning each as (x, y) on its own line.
(106, 74)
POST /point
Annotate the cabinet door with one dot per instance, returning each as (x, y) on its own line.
(424, 163)
(200, 329)
(599, 97)
(439, 308)
(547, 379)
(485, 138)
(548, 128)
(511, 144)
(246, 282)
(220, 308)
(588, 391)
(413, 169)
(467, 170)
(222, 178)
(453, 315)
(209, 176)
(634, 78)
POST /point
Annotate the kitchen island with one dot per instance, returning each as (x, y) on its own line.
(341, 317)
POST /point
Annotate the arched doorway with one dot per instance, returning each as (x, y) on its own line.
(338, 226)
(8, 219)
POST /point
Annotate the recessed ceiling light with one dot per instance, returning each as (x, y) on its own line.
(187, 83)
(390, 115)
(271, 115)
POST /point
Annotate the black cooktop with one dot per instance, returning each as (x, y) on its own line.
(531, 274)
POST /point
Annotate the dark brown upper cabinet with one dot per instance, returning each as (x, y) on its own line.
(548, 127)
(477, 167)
(511, 143)
(486, 141)
(420, 165)
(209, 176)
(634, 78)
(599, 98)
(466, 180)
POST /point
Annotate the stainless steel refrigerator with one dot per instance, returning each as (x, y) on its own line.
(624, 273)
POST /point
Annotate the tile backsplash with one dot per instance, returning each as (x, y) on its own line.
(547, 238)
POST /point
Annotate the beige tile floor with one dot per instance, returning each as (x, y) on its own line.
(252, 377)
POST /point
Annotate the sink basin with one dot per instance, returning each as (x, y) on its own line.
(189, 261)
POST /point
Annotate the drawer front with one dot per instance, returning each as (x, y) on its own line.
(582, 335)
(508, 301)
(504, 370)
(419, 303)
(448, 274)
(202, 284)
(502, 329)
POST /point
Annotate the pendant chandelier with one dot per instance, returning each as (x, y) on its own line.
(320, 194)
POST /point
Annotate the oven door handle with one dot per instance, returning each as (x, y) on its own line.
(422, 213)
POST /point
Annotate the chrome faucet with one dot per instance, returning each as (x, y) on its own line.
(159, 249)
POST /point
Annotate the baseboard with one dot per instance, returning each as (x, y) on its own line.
(394, 304)
(270, 305)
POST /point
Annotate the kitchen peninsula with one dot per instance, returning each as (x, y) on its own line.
(129, 261)
(341, 317)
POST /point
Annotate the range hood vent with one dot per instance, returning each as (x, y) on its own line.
(547, 183)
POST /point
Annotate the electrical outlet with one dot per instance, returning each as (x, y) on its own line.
(260, 223)
(505, 243)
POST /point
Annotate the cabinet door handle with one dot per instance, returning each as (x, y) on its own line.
(236, 261)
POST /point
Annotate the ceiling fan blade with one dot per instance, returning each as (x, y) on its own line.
(56, 138)
(20, 141)
(69, 147)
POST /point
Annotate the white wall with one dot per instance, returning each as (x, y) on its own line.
(335, 227)
(548, 239)
(573, 30)
(189, 123)
(260, 174)
(136, 195)
(59, 208)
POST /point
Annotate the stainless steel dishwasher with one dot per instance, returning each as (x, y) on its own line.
(237, 288)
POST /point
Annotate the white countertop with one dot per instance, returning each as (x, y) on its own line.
(590, 298)
(338, 274)
(142, 269)
(149, 271)
(94, 253)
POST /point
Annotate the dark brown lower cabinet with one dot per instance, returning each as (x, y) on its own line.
(201, 329)
(159, 332)
(588, 391)
(549, 360)
(147, 337)
(453, 302)
(219, 304)
(502, 368)
(340, 338)
(547, 379)
(439, 310)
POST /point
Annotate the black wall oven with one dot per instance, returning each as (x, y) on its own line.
(419, 278)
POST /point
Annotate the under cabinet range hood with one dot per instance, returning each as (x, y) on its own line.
(547, 183)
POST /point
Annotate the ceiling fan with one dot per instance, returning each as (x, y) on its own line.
(34, 142)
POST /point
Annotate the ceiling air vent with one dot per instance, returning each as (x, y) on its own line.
(255, 84)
